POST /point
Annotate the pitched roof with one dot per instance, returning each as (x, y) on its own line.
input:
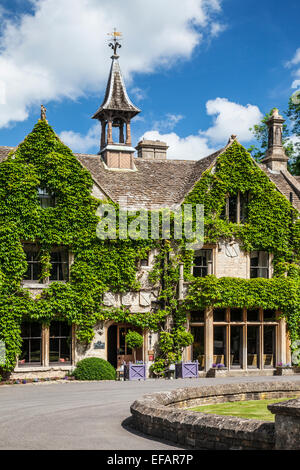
(286, 183)
(4, 152)
(164, 183)
(116, 97)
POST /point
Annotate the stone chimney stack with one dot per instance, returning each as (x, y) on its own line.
(152, 150)
(276, 158)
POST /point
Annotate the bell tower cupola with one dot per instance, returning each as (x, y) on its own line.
(116, 111)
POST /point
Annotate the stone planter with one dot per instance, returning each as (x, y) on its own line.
(186, 370)
(135, 371)
(287, 370)
(217, 372)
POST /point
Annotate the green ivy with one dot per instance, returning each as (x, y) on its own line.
(42, 160)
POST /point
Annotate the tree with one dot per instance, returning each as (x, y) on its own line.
(134, 340)
(293, 113)
(261, 132)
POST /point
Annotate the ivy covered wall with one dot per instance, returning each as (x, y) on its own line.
(111, 265)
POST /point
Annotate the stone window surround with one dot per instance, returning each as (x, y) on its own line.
(282, 348)
(214, 267)
(45, 354)
(45, 282)
(238, 207)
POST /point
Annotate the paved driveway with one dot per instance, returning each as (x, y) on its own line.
(83, 415)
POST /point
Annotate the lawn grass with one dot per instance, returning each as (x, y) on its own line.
(253, 409)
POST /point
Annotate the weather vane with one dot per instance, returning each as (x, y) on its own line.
(115, 37)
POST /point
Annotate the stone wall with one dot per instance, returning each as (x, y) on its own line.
(159, 415)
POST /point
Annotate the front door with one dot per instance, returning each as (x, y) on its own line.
(125, 354)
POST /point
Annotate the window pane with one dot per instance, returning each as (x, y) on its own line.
(35, 351)
(54, 350)
(25, 330)
(65, 350)
(46, 198)
(197, 316)
(200, 272)
(36, 330)
(219, 314)
(253, 347)
(36, 271)
(54, 329)
(31, 343)
(236, 314)
(60, 267)
(244, 199)
(65, 329)
(269, 315)
(269, 346)
(232, 208)
(220, 345)
(24, 356)
(198, 345)
(253, 315)
(236, 346)
(259, 262)
(201, 260)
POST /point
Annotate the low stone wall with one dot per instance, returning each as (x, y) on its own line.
(161, 415)
(49, 372)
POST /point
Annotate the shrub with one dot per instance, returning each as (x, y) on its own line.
(94, 368)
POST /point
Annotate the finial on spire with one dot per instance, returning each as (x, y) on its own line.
(115, 37)
(43, 113)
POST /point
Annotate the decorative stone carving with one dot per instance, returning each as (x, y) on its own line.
(127, 299)
(232, 250)
(109, 299)
(145, 299)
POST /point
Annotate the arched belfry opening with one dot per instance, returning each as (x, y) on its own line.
(116, 113)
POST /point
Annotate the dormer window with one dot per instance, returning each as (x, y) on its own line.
(236, 208)
(46, 198)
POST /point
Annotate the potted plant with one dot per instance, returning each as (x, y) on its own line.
(134, 340)
(136, 370)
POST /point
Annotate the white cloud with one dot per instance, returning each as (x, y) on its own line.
(192, 147)
(231, 118)
(295, 60)
(296, 84)
(60, 50)
(82, 143)
(296, 72)
(168, 122)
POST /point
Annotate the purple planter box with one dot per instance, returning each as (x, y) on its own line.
(134, 371)
(185, 370)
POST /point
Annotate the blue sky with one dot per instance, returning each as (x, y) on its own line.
(200, 70)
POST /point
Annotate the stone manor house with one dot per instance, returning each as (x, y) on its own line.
(245, 341)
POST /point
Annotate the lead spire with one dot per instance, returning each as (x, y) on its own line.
(116, 110)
